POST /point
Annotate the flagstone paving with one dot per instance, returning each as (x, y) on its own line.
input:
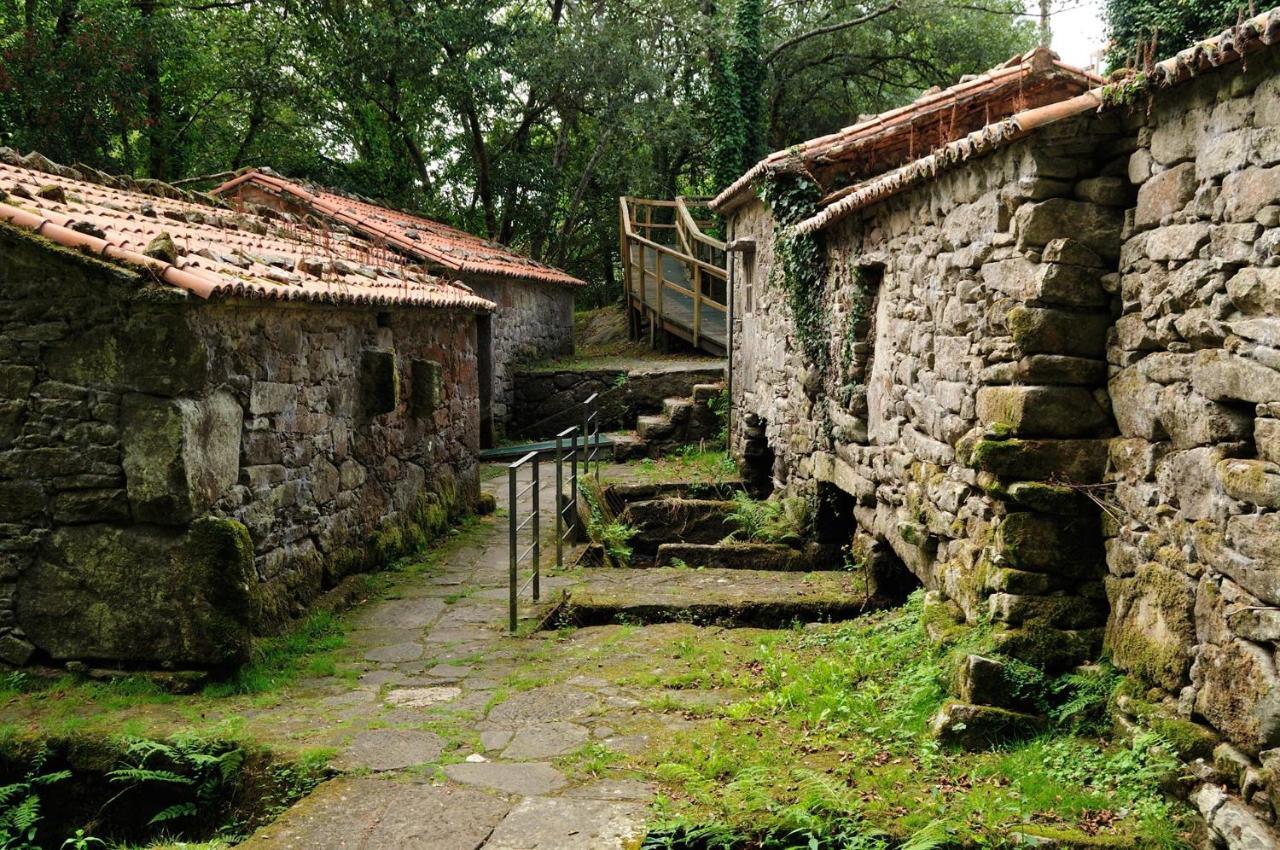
(438, 750)
(447, 732)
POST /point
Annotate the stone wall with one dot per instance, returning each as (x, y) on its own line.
(548, 401)
(1194, 549)
(1086, 317)
(956, 411)
(177, 475)
(533, 322)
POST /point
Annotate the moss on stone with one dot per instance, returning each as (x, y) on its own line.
(1152, 628)
(1050, 649)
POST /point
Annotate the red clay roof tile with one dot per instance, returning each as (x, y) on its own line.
(221, 252)
(890, 139)
(437, 244)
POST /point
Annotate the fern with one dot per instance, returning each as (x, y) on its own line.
(174, 812)
(770, 521)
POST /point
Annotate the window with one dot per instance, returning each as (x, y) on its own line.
(379, 382)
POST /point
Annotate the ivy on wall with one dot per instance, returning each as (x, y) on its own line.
(800, 261)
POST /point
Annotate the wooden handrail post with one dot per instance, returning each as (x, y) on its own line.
(697, 304)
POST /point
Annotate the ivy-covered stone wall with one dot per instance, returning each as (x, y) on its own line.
(1052, 389)
(957, 396)
(178, 475)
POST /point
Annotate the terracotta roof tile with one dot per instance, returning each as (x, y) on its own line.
(221, 252)
(886, 141)
(437, 244)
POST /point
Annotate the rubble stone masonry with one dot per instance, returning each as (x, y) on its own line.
(177, 475)
(1063, 409)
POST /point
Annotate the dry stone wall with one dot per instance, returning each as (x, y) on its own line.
(1090, 316)
(1193, 548)
(957, 411)
(177, 475)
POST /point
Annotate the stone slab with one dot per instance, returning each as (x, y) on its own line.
(377, 814)
(390, 749)
(559, 823)
(714, 596)
(526, 778)
(546, 740)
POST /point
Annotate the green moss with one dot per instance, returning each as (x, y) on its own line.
(1073, 839)
(1047, 648)
(1157, 656)
(1189, 740)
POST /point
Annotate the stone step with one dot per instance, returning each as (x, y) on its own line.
(705, 392)
(750, 556)
(628, 447)
(730, 598)
(654, 427)
(677, 410)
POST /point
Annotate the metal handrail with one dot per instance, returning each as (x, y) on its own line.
(515, 526)
(571, 507)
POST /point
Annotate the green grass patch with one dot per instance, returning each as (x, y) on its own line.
(831, 746)
(302, 650)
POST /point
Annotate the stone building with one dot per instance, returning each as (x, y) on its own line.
(1045, 378)
(209, 416)
(533, 320)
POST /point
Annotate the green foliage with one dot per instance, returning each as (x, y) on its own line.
(785, 520)
(520, 121)
(1173, 24)
(20, 812)
(605, 530)
(800, 261)
(858, 699)
(205, 768)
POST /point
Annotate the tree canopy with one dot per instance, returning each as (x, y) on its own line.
(519, 119)
(1133, 25)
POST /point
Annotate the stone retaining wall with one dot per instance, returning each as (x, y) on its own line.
(177, 475)
(548, 401)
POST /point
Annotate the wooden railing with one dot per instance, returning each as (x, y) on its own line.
(673, 272)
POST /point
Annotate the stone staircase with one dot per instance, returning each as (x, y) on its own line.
(682, 421)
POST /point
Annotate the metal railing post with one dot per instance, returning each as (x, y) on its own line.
(555, 500)
(586, 435)
(573, 481)
(537, 543)
(513, 512)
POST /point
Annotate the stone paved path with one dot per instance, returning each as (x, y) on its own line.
(438, 750)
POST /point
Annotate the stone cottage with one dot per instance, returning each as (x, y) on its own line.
(209, 416)
(533, 319)
(1039, 366)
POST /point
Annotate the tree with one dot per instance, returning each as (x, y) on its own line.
(522, 120)
(1173, 25)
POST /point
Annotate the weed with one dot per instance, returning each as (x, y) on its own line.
(784, 520)
(20, 813)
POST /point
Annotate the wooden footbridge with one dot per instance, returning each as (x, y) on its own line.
(674, 273)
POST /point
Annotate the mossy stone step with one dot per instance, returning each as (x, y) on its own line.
(714, 596)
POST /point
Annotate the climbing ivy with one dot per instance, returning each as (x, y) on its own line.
(800, 261)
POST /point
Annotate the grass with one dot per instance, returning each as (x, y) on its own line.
(306, 649)
(830, 746)
(693, 463)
